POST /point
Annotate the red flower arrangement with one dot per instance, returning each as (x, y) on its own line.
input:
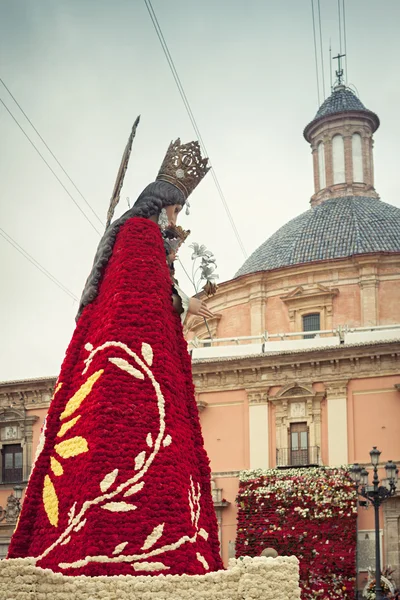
(122, 482)
(309, 513)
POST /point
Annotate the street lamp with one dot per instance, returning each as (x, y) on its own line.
(376, 494)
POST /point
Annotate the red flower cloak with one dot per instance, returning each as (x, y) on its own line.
(121, 484)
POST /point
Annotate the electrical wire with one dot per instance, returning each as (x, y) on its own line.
(322, 54)
(340, 28)
(51, 152)
(186, 103)
(37, 264)
(315, 51)
(345, 41)
(48, 165)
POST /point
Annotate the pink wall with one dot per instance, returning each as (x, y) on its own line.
(41, 413)
(276, 316)
(235, 321)
(374, 418)
(389, 301)
(225, 429)
(347, 306)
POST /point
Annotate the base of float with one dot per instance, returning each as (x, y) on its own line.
(245, 579)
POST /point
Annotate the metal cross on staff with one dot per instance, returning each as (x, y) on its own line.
(339, 72)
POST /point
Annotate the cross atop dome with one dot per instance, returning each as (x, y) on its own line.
(339, 72)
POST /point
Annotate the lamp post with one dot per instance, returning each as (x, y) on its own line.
(376, 494)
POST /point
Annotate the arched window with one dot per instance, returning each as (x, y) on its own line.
(338, 159)
(321, 165)
(356, 146)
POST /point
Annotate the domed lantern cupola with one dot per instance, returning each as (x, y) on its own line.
(341, 140)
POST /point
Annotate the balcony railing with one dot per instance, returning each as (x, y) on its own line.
(286, 457)
(8, 477)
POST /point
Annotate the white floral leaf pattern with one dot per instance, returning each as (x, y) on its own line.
(139, 460)
(153, 537)
(134, 489)
(118, 506)
(81, 525)
(66, 541)
(108, 480)
(202, 560)
(149, 440)
(167, 440)
(148, 566)
(203, 534)
(118, 549)
(147, 353)
(124, 365)
(71, 513)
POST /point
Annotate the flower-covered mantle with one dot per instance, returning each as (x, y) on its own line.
(310, 513)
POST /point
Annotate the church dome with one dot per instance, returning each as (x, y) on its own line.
(336, 228)
(341, 101)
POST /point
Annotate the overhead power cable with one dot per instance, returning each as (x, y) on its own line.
(51, 152)
(340, 28)
(322, 53)
(315, 52)
(186, 103)
(49, 166)
(345, 42)
(37, 264)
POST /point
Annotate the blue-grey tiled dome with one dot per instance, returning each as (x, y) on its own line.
(341, 100)
(337, 228)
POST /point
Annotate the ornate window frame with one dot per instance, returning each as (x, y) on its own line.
(24, 426)
(308, 410)
(304, 300)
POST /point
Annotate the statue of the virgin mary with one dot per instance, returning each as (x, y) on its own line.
(121, 482)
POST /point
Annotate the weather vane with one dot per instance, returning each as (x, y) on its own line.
(339, 72)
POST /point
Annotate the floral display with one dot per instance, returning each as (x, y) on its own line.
(121, 485)
(310, 513)
(246, 579)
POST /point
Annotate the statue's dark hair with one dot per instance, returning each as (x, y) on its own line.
(154, 197)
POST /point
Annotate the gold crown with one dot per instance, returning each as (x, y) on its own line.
(183, 166)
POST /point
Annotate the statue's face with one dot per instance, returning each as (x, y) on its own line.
(172, 213)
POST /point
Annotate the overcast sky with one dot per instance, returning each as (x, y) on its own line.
(83, 69)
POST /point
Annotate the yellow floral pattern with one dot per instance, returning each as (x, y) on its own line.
(56, 467)
(73, 447)
(74, 403)
(65, 426)
(50, 501)
(67, 448)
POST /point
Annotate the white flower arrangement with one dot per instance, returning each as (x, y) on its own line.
(247, 578)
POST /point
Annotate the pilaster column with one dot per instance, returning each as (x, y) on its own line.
(348, 159)
(257, 308)
(336, 395)
(328, 161)
(366, 154)
(317, 185)
(258, 429)
(368, 283)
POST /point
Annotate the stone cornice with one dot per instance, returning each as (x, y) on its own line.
(320, 365)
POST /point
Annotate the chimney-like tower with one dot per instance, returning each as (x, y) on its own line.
(341, 140)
